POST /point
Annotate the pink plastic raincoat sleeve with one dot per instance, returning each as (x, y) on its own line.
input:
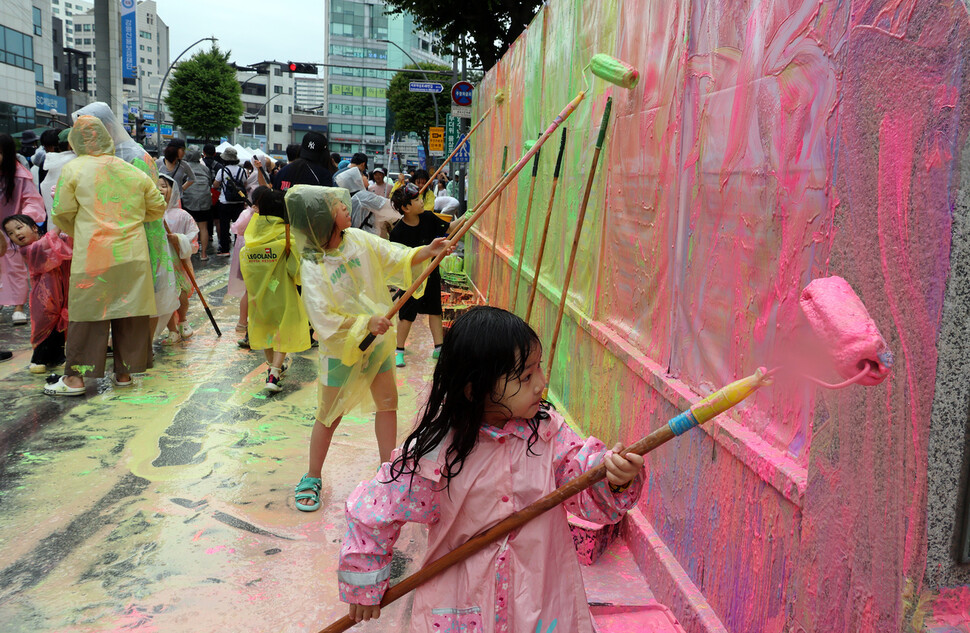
(31, 204)
(376, 512)
(598, 503)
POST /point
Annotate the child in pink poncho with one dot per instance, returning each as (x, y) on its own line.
(486, 446)
(48, 258)
(18, 195)
(183, 237)
(237, 287)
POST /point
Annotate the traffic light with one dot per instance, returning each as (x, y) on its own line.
(139, 130)
(300, 67)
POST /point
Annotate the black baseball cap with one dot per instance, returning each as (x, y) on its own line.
(314, 147)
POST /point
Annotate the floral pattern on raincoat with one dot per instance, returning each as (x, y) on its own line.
(101, 202)
(271, 269)
(532, 575)
(49, 262)
(25, 199)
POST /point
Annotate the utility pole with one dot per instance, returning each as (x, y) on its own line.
(463, 127)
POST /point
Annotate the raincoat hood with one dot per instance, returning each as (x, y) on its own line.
(311, 211)
(125, 147)
(89, 137)
(193, 154)
(173, 202)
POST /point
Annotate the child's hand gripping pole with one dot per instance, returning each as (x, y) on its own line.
(699, 413)
(191, 276)
(455, 151)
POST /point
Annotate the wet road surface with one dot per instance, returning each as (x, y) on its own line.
(169, 506)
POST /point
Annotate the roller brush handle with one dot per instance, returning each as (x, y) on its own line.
(717, 402)
(482, 206)
(454, 151)
(562, 150)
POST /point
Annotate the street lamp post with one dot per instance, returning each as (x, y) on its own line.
(434, 97)
(253, 117)
(158, 99)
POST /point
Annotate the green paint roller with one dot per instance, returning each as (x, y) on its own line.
(606, 67)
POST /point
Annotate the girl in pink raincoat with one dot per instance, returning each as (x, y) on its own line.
(48, 258)
(486, 446)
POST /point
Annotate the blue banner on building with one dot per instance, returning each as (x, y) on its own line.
(129, 56)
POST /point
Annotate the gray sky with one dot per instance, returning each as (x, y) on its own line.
(253, 30)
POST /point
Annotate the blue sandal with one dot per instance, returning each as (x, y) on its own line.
(308, 490)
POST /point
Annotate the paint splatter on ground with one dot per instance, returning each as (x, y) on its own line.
(169, 506)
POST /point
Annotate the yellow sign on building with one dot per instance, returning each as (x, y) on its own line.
(436, 141)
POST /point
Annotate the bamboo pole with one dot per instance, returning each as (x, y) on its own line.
(545, 227)
(454, 151)
(498, 214)
(525, 231)
(579, 230)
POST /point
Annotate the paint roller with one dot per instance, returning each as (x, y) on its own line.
(839, 320)
(603, 66)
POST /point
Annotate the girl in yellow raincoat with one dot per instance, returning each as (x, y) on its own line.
(345, 274)
(277, 319)
(101, 202)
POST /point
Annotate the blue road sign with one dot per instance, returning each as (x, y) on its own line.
(425, 86)
(464, 154)
(461, 93)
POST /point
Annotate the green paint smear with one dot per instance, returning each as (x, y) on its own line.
(30, 458)
(144, 399)
(95, 437)
(82, 369)
(273, 285)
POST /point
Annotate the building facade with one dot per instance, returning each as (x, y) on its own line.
(361, 43)
(26, 65)
(66, 10)
(268, 100)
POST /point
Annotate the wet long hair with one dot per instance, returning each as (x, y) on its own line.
(485, 349)
(8, 165)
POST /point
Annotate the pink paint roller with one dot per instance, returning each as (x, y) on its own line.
(837, 316)
(843, 325)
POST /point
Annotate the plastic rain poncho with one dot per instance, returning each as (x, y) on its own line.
(101, 202)
(368, 211)
(277, 318)
(54, 163)
(49, 262)
(184, 228)
(26, 200)
(343, 288)
(162, 264)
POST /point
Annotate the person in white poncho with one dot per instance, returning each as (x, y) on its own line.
(345, 274)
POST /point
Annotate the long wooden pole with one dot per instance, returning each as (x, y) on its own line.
(525, 231)
(454, 151)
(479, 209)
(716, 403)
(191, 276)
(545, 228)
(498, 214)
(579, 230)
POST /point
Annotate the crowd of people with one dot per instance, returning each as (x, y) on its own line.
(101, 242)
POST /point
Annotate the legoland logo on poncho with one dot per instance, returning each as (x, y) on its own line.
(266, 255)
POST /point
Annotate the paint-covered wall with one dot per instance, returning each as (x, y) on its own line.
(767, 143)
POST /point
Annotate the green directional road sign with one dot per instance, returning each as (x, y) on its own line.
(452, 133)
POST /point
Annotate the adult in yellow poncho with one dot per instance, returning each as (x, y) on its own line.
(271, 269)
(101, 202)
(345, 275)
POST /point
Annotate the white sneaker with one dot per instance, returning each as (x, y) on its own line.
(169, 338)
(19, 318)
(34, 368)
(185, 330)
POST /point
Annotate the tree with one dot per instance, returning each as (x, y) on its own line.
(483, 30)
(203, 95)
(414, 111)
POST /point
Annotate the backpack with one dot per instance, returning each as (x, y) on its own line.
(235, 190)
